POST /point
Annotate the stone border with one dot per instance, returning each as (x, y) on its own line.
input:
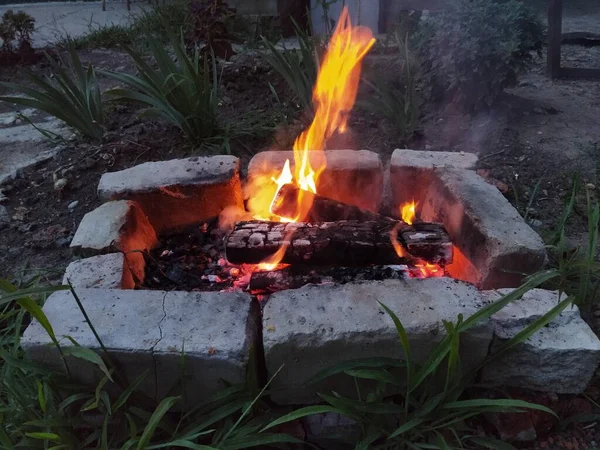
(178, 192)
(147, 330)
(494, 247)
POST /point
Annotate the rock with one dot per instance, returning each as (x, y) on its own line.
(535, 223)
(3, 198)
(4, 215)
(325, 429)
(100, 272)
(496, 248)
(415, 168)
(354, 177)
(146, 331)
(113, 227)
(317, 327)
(71, 206)
(178, 192)
(513, 427)
(60, 184)
(561, 357)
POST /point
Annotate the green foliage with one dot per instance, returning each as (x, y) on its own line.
(16, 27)
(71, 94)
(396, 100)
(184, 91)
(579, 267)
(44, 409)
(425, 405)
(475, 48)
(299, 68)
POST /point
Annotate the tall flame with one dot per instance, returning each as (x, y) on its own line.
(408, 212)
(334, 95)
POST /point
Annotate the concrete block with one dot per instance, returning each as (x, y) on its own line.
(146, 330)
(560, 358)
(178, 192)
(494, 247)
(317, 327)
(101, 272)
(330, 430)
(118, 226)
(411, 172)
(354, 177)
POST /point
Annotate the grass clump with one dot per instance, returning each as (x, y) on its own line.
(72, 95)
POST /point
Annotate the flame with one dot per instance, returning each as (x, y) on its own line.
(428, 270)
(408, 212)
(273, 261)
(334, 95)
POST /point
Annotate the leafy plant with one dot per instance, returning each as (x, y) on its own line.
(184, 91)
(396, 100)
(71, 94)
(45, 409)
(299, 68)
(475, 48)
(208, 24)
(579, 267)
(16, 26)
(426, 406)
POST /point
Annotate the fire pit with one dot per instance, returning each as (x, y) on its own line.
(291, 268)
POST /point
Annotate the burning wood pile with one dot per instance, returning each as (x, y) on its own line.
(292, 228)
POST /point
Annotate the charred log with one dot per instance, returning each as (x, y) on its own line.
(342, 243)
(294, 277)
(322, 209)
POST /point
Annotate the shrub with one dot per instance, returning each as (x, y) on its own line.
(207, 23)
(16, 26)
(71, 94)
(476, 48)
(184, 91)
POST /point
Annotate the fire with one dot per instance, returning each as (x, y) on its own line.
(334, 95)
(408, 212)
(428, 270)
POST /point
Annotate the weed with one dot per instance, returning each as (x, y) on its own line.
(208, 21)
(72, 95)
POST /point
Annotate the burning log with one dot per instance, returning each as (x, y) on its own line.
(343, 243)
(294, 277)
(322, 209)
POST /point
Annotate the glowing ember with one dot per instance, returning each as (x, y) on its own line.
(408, 212)
(428, 270)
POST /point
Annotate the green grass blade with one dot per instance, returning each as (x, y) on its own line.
(156, 417)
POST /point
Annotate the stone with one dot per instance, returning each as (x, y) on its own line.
(4, 216)
(101, 272)
(328, 429)
(71, 206)
(146, 331)
(354, 177)
(118, 226)
(178, 192)
(412, 171)
(317, 327)
(561, 357)
(494, 247)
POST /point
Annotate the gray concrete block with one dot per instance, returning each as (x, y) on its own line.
(494, 247)
(316, 327)
(117, 226)
(146, 330)
(411, 172)
(560, 358)
(101, 272)
(354, 177)
(178, 192)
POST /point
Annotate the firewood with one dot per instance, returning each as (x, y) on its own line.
(348, 243)
(322, 209)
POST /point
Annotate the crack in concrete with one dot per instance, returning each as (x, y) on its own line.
(160, 337)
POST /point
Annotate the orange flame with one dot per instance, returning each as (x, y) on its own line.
(408, 212)
(272, 262)
(334, 95)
